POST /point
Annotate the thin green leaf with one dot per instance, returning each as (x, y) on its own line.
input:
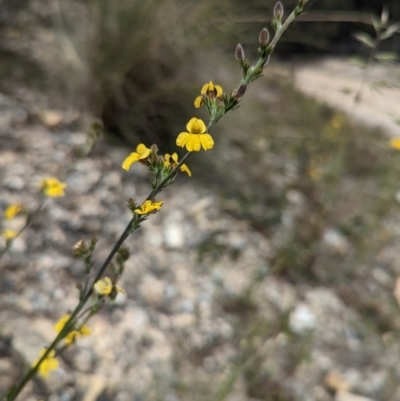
(376, 23)
(384, 16)
(364, 38)
(386, 56)
(390, 31)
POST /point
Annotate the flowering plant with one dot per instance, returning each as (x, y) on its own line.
(164, 170)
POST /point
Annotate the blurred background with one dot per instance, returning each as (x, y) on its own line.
(272, 273)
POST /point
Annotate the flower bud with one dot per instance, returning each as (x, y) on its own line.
(264, 37)
(239, 53)
(278, 10)
(239, 92)
(80, 248)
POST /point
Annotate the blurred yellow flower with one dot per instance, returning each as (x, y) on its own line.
(172, 160)
(149, 207)
(52, 187)
(196, 138)
(73, 334)
(48, 364)
(104, 286)
(141, 153)
(9, 234)
(12, 211)
(395, 143)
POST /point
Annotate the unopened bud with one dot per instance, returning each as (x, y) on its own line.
(79, 248)
(239, 53)
(278, 10)
(239, 92)
(264, 37)
(132, 204)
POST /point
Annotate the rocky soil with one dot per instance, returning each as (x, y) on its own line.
(204, 316)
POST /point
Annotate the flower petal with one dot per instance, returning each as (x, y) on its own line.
(193, 144)
(207, 141)
(196, 126)
(206, 87)
(143, 151)
(219, 90)
(198, 102)
(184, 168)
(132, 158)
(182, 138)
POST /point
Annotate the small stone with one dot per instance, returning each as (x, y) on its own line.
(50, 118)
(152, 291)
(334, 381)
(174, 236)
(302, 319)
(336, 241)
(345, 396)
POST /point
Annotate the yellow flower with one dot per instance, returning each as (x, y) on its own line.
(48, 364)
(104, 287)
(12, 211)
(53, 188)
(395, 143)
(9, 234)
(211, 89)
(149, 207)
(196, 138)
(141, 153)
(174, 157)
(73, 334)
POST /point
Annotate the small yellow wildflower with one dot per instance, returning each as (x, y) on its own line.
(149, 207)
(210, 90)
(73, 334)
(104, 287)
(196, 138)
(9, 234)
(395, 143)
(171, 164)
(48, 364)
(53, 188)
(141, 153)
(12, 211)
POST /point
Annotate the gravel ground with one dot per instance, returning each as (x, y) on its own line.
(203, 316)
